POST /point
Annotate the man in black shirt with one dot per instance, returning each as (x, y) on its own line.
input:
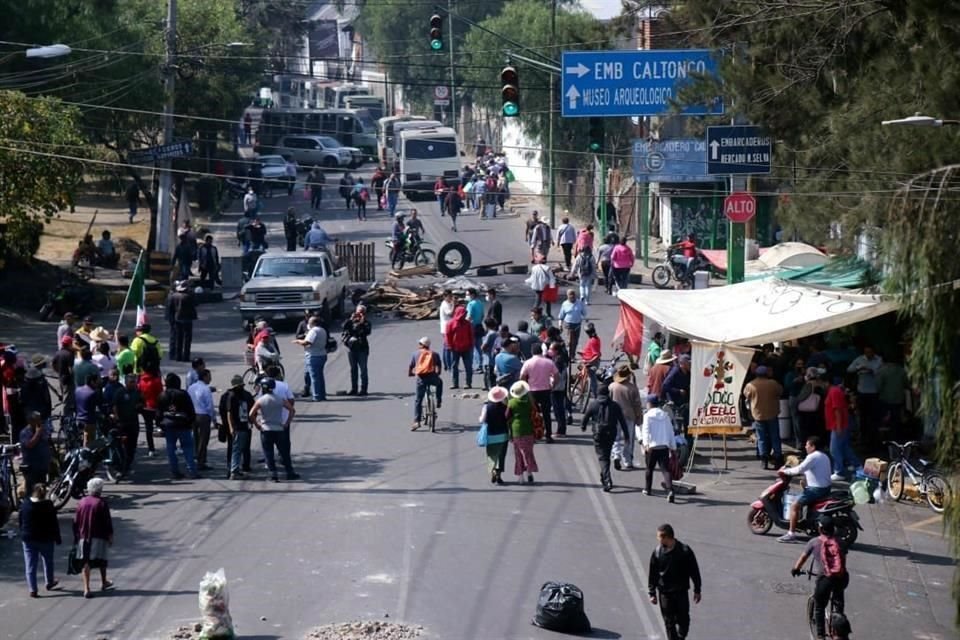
(176, 415)
(181, 312)
(606, 416)
(356, 331)
(672, 567)
(235, 407)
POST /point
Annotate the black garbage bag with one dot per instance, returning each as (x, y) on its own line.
(560, 608)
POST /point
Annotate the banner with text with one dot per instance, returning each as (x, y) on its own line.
(717, 373)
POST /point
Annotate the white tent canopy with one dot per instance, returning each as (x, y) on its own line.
(754, 312)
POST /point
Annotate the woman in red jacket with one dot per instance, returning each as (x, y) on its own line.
(151, 386)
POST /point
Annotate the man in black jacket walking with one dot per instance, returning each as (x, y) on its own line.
(606, 416)
(672, 567)
(181, 312)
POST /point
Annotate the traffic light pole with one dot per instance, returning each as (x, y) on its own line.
(453, 91)
(551, 180)
(603, 196)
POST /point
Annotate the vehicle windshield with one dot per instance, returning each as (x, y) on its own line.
(366, 121)
(430, 148)
(330, 143)
(283, 267)
(272, 160)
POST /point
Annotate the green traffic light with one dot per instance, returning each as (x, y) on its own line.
(436, 45)
(595, 146)
(510, 109)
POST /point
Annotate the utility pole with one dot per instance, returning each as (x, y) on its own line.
(165, 193)
(453, 90)
(551, 184)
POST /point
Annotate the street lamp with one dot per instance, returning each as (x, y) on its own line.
(918, 120)
(50, 51)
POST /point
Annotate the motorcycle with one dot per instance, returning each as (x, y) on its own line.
(303, 226)
(674, 267)
(82, 464)
(76, 298)
(411, 252)
(768, 511)
(233, 189)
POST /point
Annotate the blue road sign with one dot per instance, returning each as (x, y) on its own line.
(162, 152)
(738, 149)
(634, 82)
(680, 160)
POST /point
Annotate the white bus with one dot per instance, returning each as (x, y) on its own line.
(424, 155)
(373, 104)
(335, 97)
(393, 151)
(351, 128)
(385, 134)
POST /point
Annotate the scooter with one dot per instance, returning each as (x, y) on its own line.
(768, 511)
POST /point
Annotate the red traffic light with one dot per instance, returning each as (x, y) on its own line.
(436, 22)
(509, 76)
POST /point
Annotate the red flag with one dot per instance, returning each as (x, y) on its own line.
(630, 330)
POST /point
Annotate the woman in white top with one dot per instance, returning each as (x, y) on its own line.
(542, 278)
(446, 315)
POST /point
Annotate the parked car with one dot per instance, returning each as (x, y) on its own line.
(310, 150)
(283, 285)
(274, 171)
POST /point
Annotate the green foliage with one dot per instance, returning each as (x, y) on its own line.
(34, 187)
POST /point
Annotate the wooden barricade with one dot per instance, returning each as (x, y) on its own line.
(359, 258)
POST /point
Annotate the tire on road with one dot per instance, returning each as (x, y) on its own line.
(453, 259)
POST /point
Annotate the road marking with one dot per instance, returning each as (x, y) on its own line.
(404, 591)
(639, 601)
(924, 523)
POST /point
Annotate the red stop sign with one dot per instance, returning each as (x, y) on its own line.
(739, 206)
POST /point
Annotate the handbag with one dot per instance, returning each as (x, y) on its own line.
(74, 564)
(673, 465)
(551, 293)
(331, 345)
(809, 404)
(482, 435)
(537, 418)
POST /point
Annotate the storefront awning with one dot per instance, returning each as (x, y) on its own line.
(749, 313)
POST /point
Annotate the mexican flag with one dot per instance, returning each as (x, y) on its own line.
(137, 294)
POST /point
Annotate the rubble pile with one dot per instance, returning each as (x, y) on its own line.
(420, 303)
(368, 630)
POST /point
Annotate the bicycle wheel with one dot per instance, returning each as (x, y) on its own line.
(113, 466)
(938, 491)
(426, 257)
(250, 376)
(60, 492)
(431, 412)
(811, 617)
(283, 372)
(895, 480)
(12, 497)
(578, 390)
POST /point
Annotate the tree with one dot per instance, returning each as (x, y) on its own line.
(820, 76)
(35, 181)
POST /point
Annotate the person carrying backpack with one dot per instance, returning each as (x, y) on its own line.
(585, 269)
(828, 561)
(425, 366)
(146, 350)
(673, 566)
(606, 416)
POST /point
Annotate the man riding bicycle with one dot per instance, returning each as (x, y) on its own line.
(425, 366)
(828, 564)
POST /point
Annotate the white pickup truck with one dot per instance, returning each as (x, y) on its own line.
(284, 285)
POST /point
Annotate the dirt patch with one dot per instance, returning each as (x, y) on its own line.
(61, 235)
(359, 630)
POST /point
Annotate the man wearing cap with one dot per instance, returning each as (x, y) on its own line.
(267, 415)
(35, 394)
(658, 441)
(425, 365)
(181, 312)
(763, 398)
(356, 334)
(623, 391)
(202, 398)
(314, 344)
(235, 407)
(65, 328)
(127, 405)
(608, 424)
(659, 371)
(539, 372)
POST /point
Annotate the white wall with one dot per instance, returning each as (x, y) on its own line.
(523, 157)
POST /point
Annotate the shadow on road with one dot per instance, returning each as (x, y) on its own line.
(920, 558)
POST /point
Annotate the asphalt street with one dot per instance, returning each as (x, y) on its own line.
(389, 523)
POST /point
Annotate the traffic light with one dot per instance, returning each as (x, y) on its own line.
(436, 32)
(511, 92)
(596, 135)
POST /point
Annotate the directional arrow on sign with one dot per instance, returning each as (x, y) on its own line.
(714, 150)
(573, 94)
(581, 69)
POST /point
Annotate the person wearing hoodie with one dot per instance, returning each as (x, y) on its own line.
(460, 340)
(317, 238)
(658, 440)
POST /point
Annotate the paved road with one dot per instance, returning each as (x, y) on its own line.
(386, 522)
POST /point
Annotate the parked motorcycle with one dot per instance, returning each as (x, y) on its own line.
(81, 464)
(768, 511)
(77, 298)
(414, 252)
(674, 267)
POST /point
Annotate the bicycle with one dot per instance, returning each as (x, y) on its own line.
(430, 408)
(929, 482)
(9, 500)
(253, 373)
(827, 615)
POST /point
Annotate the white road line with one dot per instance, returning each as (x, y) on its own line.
(637, 593)
(403, 596)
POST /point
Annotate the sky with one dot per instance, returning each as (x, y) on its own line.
(602, 9)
